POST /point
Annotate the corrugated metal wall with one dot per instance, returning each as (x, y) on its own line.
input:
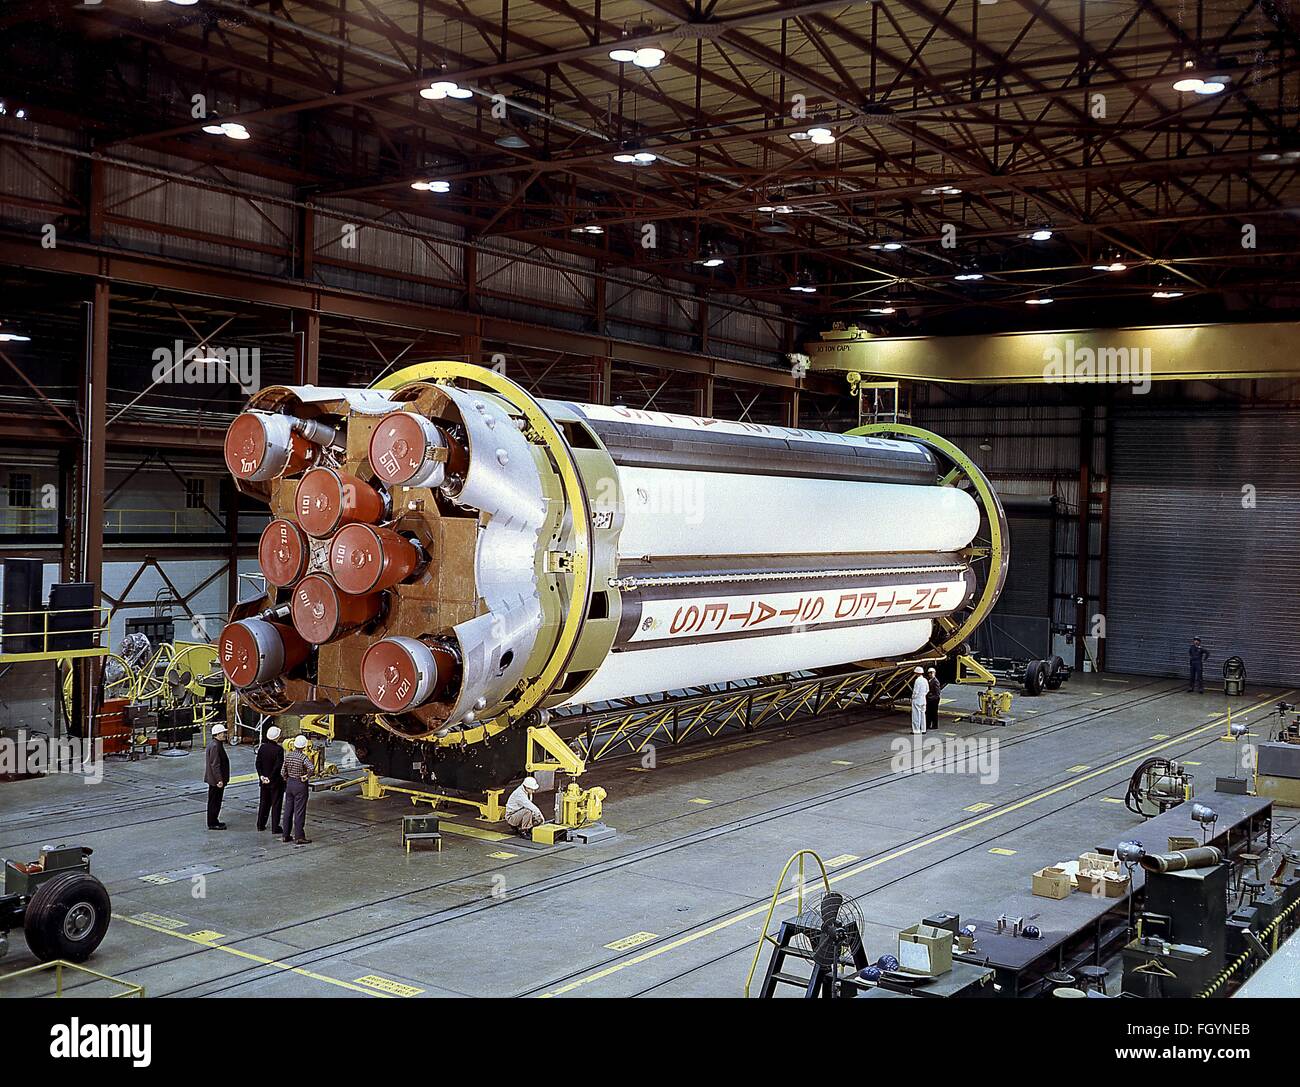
(1204, 523)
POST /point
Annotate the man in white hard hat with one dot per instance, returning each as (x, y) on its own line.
(920, 692)
(216, 772)
(270, 761)
(521, 812)
(297, 771)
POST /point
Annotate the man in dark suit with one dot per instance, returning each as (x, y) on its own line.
(216, 772)
(270, 760)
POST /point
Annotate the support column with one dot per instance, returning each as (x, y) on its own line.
(306, 363)
(230, 511)
(89, 526)
(1084, 542)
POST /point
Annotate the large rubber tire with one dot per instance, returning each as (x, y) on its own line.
(67, 917)
(1035, 672)
(1054, 669)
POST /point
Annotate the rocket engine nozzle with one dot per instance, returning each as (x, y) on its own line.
(327, 498)
(368, 558)
(254, 651)
(321, 613)
(401, 673)
(282, 552)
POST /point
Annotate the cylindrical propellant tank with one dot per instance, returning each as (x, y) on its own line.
(567, 554)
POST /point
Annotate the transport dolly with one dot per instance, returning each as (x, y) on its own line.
(62, 909)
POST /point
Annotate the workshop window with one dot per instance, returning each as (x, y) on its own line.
(194, 493)
(20, 489)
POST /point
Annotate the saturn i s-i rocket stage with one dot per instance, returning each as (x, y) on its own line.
(448, 559)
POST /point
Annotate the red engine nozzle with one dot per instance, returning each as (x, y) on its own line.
(263, 445)
(327, 498)
(400, 673)
(282, 552)
(321, 613)
(411, 451)
(254, 651)
(368, 559)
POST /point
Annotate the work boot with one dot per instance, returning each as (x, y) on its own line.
(286, 838)
(302, 841)
(216, 826)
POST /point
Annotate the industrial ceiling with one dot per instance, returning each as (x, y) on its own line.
(973, 165)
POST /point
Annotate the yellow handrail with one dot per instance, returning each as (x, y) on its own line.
(777, 897)
(48, 652)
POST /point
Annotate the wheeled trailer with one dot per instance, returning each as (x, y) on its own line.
(62, 909)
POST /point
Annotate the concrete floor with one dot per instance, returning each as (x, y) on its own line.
(671, 906)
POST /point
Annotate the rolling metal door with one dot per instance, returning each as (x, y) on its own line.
(1190, 556)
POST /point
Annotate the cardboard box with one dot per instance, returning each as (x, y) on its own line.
(1100, 882)
(1106, 862)
(1051, 883)
(924, 949)
(1177, 843)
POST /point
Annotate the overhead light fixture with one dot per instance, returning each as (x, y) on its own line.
(1044, 301)
(1191, 82)
(589, 228)
(776, 209)
(890, 246)
(819, 132)
(1289, 157)
(942, 190)
(883, 311)
(709, 258)
(445, 88)
(636, 158)
(511, 140)
(1111, 264)
(968, 277)
(14, 337)
(986, 446)
(774, 227)
(1166, 292)
(1042, 234)
(804, 284)
(645, 56)
(431, 186)
(231, 129)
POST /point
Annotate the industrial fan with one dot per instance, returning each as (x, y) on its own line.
(830, 928)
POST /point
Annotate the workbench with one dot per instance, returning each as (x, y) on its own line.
(1079, 929)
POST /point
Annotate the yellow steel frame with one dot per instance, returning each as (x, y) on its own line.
(372, 788)
(969, 670)
(543, 742)
(545, 433)
(764, 935)
(59, 965)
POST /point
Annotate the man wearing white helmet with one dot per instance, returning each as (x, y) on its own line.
(296, 772)
(521, 812)
(216, 772)
(270, 761)
(920, 692)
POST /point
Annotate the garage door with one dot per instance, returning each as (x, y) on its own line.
(1205, 541)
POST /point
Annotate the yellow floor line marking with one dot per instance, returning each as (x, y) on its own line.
(1035, 712)
(637, 769)
(473, 832)
(699, 800)
(841, 762)
(1160, 736)
(158, 878)
(629, 942)
(1077, 769)
(1190, 762)
(386, 985)
(843, 858)
(242, 779)
(1112, 800)
(999, 851)
(977, 808)
(207, 936)
(708, 753)
(262, 959)
(502, 855)
(856, 870)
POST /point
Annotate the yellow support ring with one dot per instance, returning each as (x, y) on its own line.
(997, 518)
(575, 495)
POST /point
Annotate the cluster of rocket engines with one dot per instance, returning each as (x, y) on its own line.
(418, 562)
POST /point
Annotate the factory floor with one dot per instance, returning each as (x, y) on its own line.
(670, 906)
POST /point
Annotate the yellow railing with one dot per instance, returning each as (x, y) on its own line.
(44, 635)
(128, 519)
(777, 896)
(28, 519)
(130, 989)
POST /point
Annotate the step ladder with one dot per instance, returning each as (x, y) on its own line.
(822, 981)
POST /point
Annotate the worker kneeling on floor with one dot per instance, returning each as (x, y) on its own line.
(521, 812)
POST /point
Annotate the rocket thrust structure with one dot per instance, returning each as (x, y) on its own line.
(447, 562)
